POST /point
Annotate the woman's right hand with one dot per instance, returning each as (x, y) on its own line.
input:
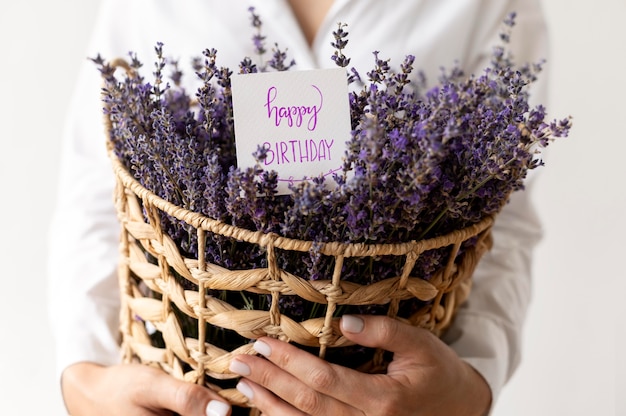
(133, 389)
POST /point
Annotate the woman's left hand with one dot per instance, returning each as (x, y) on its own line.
(426, 377)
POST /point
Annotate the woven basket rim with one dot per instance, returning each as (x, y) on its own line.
(200, 221)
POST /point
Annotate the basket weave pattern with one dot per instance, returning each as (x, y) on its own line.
(194, 359)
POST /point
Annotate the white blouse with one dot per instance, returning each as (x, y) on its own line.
(84, 298)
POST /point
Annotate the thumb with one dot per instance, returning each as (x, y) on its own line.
(187, 399)
(383, 332)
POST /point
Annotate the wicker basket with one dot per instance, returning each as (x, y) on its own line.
(195, 359)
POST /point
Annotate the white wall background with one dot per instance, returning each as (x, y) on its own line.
(571, 347)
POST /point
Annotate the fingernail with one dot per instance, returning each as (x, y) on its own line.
(262, 348)
(245, 389)
(217, 408)
(352, 324)
(240, 368)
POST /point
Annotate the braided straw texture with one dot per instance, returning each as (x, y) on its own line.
(193, 359)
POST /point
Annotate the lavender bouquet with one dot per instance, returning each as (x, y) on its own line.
(421, 163)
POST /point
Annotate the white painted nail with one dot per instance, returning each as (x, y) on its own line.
(352, 324)
(217, 408)
(262, 348)
(244, 388)
(240, 368)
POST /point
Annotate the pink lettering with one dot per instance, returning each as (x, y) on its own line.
(297, 151)
(295, 115)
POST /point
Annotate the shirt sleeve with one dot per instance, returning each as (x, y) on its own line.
(84, 233)
(487, 329)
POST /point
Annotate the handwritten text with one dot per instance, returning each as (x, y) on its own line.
(295, 115)
(298, 151)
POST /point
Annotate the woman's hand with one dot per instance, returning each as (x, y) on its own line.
(138, 390)
(426, 377)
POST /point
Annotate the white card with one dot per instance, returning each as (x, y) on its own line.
(301, 117)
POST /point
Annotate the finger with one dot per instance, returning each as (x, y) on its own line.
(308, 382)
(266, 401)
(283, 384)
(389, 334)
(165, 392)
